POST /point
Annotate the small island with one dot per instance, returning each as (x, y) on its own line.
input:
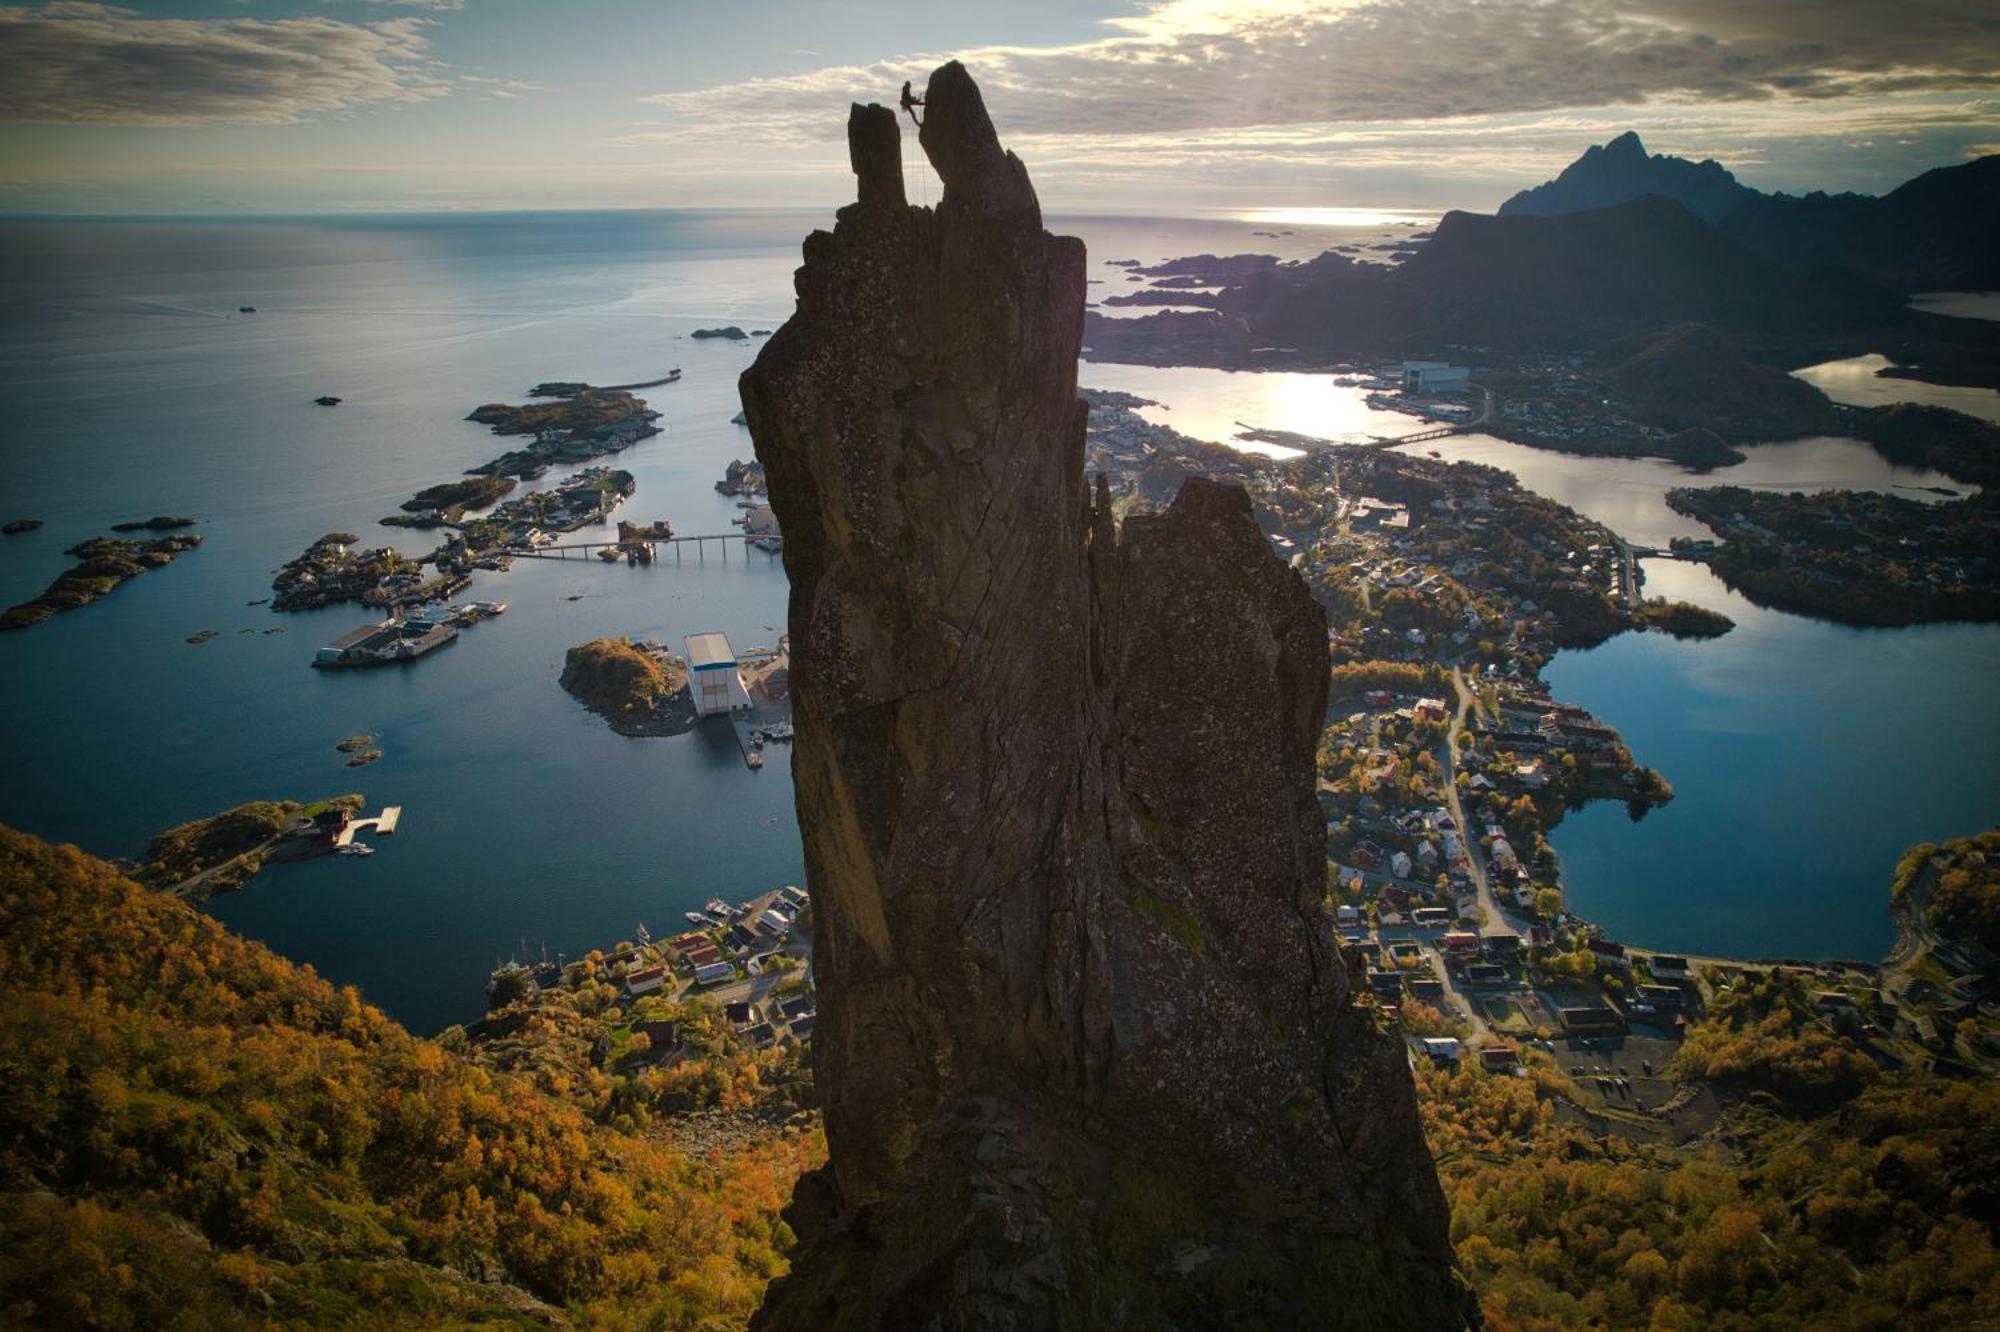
(733, 333)
(743, 478)
(102, 564)
(575, 428)
(639, 691)
(202, 857)
(334, 569)
(20, 525)
(1684, 619)
(1855, 557)
(449, 501)
(159, 523)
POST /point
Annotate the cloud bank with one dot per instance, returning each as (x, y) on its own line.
(90, 63)
(1196, 66)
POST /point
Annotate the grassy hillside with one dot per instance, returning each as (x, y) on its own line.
(198, 1133)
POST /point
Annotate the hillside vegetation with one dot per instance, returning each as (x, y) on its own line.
(198, 1133)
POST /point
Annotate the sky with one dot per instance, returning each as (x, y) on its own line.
(1117, 106)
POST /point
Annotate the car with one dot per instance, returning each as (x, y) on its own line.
(1646, 1066)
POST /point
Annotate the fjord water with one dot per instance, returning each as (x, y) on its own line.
(133, 388)
(1805, 755)
(130, 386)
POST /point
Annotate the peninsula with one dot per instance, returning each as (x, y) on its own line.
(202, 857)
(1858, 558)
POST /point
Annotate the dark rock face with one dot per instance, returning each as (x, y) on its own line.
(1086, 1053)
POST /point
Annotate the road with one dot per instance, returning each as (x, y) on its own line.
(191, 886)
(1628, 571)
(1488, 902)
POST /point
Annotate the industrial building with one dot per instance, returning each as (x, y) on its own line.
(1434, 377)
(713, 678)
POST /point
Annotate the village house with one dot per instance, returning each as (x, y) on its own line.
(1591, 1020)
(1668, 967)
(1610, 954)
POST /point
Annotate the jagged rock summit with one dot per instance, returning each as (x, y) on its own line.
(1621, 170)
(1086, 1052)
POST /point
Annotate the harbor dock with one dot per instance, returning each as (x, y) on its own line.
(383, 823)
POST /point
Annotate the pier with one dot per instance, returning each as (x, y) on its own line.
(383, 823)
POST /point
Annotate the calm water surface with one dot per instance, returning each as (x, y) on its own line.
(1859, 380)
(1805, 757)
(131, 386)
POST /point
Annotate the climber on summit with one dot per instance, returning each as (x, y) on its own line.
(910, 104)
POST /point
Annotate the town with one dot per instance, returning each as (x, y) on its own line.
(1445, 764)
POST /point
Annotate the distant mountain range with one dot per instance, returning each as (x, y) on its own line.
(1626, 243)
(1940, 231)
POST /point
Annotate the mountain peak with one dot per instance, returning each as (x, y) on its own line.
(1621, 170)
(1626, 145)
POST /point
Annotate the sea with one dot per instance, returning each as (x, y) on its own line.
(131, 384)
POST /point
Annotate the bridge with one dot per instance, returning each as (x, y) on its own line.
(562, 550)
(1422, 435)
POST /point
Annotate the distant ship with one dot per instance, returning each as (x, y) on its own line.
(327, 400)
(246, 309)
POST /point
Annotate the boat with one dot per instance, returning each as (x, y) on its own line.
(756, 759)
(355, 849)
(697, 919)
(246, 309)
(327, 400)
(716, 906)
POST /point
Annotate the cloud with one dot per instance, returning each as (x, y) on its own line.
(80, 62)
(1207, 65)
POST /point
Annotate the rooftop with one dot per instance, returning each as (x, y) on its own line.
(709, 650)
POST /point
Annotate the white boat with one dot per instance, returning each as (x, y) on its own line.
(696, 918)
(355, 849)
(716, 906)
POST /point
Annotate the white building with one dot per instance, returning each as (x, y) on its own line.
(713, 679)
(1399, 865)
(1434, 377)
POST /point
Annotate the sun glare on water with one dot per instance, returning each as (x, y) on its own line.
(1329, 217)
